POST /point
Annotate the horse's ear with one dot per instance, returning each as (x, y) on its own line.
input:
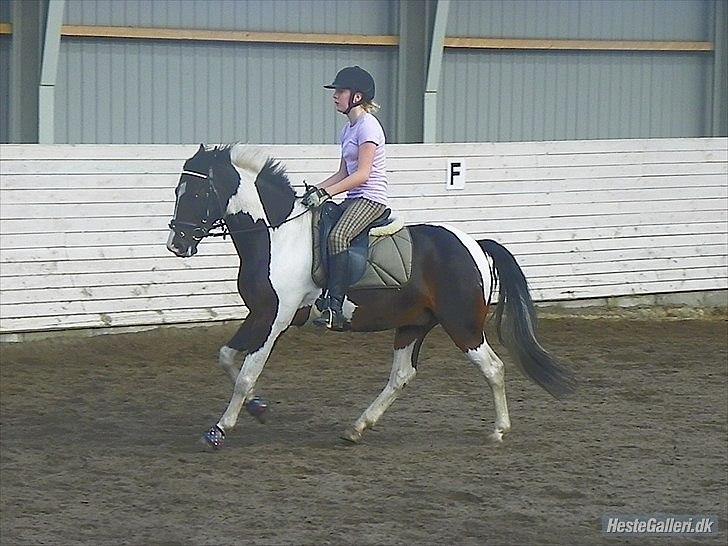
(201, 149)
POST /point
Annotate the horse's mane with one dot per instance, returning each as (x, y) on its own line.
(252, 160)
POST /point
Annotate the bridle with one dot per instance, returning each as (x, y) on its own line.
(205, 229)
(197, 232)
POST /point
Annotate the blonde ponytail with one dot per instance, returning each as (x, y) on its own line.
(370, 106)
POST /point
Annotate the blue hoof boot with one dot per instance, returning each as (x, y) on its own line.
(258, 408)
(215, 437)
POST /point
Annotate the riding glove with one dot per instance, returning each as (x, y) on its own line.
(315, 197)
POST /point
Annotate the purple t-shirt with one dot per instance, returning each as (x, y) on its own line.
(366, 129)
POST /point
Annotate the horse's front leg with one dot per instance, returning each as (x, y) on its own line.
(248, 338)
(244, 382)
(230, 362)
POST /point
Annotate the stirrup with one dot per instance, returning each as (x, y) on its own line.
(333, 321)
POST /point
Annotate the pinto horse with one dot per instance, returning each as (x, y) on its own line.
(453, 278)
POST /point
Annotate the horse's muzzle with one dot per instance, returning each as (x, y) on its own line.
(179, 247)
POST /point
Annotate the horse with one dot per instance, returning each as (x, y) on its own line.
(452, 283)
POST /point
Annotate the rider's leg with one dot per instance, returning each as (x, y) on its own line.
(337, 283)
(358, 214)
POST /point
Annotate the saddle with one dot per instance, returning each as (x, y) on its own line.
(379, 257)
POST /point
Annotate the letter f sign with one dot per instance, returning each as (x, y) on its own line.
(455, 174)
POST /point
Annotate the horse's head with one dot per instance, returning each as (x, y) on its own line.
(206, 184)
(229, 182)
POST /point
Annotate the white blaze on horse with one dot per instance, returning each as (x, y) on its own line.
(451, 284)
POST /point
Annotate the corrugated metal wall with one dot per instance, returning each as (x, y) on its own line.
(164, 92)
(134, 91)
(146, 91)
(586, 20)
(511, 95)
(5, 51)
(4, 88)
(5, 10)
(326, 16)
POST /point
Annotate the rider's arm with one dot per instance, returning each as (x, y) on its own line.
(361, 175)
(338, 176)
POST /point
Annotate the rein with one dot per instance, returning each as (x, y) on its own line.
(200, 232)
(227, 231)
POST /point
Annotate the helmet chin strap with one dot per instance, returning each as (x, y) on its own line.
(352, 104)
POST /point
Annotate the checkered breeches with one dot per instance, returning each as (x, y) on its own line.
(358, 214)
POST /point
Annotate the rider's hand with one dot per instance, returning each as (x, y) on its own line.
(315, 197)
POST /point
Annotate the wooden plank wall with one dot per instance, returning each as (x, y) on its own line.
(83, 228)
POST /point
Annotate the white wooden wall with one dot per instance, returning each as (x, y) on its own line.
(83, 228)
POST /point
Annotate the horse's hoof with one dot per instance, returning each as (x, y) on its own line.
(352, 435)
(258, 408)
(497, 437)
(214, 438)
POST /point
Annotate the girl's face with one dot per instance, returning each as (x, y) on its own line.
(342, 98)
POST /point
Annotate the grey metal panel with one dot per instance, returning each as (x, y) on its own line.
(5, 46)
(512, 96)
(133, 91)
(128, 91)
(6, 8)
(538, 95)
(325, 16)
(570, 19)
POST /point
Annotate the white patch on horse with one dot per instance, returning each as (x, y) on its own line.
(480, 258)
(248, 162)
(290, 276)
(291, 260)
(492, 367)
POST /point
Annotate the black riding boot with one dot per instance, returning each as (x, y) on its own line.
(338, 281)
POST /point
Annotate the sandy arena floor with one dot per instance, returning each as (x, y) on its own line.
(99, 440)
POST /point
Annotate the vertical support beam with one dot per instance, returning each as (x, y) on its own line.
(28, 22)
(719, 114)
(434, 71)
(49, 69)
(415, 19)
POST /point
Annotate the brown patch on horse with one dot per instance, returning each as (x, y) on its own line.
(407, 335)
(301, 316)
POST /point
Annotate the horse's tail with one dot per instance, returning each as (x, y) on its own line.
(515, 319)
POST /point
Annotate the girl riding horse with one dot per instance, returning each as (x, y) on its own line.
(362, 174)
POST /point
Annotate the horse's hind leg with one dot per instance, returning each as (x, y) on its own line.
(407, 343)
(492, 367)
(464, 324)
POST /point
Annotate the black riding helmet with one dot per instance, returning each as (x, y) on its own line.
(356, 79)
